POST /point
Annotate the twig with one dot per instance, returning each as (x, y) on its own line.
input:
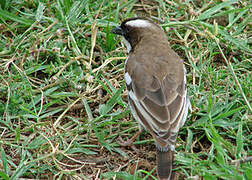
(97, 174)
(93, 36)
(62, 69)
(242, 160)
(107, 61)
(41, 103)
(49, 27)
(8, 98)
(55, 124)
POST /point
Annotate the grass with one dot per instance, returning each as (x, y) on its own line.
(63, 102)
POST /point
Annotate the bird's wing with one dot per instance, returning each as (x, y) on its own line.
(157, 97)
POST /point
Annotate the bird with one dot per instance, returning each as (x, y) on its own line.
(155, 78)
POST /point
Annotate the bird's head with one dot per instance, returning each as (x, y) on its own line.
(135, 29)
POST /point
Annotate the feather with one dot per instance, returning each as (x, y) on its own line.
(156, 84)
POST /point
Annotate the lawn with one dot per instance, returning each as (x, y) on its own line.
(63, 102)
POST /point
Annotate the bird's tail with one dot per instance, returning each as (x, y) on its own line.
(164, 164)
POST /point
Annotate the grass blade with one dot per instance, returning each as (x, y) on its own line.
(8, 16)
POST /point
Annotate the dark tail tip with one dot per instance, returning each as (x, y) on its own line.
(164, 164)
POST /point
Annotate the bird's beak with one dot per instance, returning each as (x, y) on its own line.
(117, 30)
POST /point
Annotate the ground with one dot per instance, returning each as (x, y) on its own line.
(63, 102)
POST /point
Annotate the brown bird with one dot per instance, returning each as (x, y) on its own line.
(156, 84)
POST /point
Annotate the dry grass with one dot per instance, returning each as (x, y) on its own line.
(63, 103)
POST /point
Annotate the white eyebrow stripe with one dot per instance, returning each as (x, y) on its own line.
(138, 23)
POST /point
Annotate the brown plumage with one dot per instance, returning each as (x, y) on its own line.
(156, 84)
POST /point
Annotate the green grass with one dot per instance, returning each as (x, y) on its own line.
(63, 102)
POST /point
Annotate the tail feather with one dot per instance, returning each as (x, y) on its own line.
(164, 164)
